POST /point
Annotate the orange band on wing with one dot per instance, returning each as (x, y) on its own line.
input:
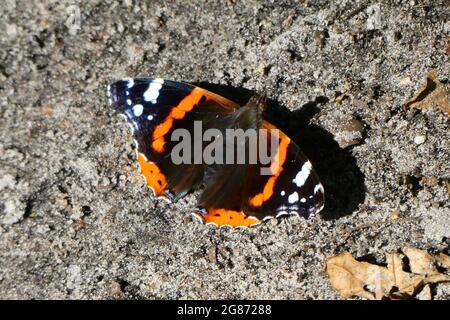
(222, 101)
(178, 112)
(223, 217)
(153, 176)
(158, 144)
(162, 128)
(276, 167)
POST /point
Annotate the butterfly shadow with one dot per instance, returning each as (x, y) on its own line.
(342, 180)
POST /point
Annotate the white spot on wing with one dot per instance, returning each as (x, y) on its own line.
(293, 197)
(129, 102)
(138, 109)
(282, 193)
(317, 188)
(150, 117)
(152, 93)
(303, 174)
(302, 200)
(130, 83)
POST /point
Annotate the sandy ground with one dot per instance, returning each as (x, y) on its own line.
(76, 219)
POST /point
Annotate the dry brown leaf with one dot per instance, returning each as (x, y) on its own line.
(443, 260)
(425, 293)
(420, 261)
(353, 278)
(430, 181)
(349, 276)
(433, 92)
(405, 282)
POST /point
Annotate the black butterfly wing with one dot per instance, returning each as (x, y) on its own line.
(292, 188)
(155, 108)
(244, 195)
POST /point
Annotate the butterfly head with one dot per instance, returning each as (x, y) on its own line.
(257, 103)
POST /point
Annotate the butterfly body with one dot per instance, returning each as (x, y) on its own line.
(236, 193)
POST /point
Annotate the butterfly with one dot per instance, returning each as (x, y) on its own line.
(235, 194)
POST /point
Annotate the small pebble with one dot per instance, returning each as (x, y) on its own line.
(212, 254)
(349, 133)
(405, 81)
(395, 215)
(273, 222)
(115, 288)
(419, 139)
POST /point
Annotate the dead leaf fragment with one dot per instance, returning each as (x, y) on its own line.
(340, 97)
(354, 278)
(405, 282)
(212, 254)
(430, 181)
(443, 260)
(420, 261)
(432, 93)
(348, 276)
(425, 293)
(395, 215)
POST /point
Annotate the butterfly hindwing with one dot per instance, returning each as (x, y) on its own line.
(241, 195)
(293, 188)
(246, 194)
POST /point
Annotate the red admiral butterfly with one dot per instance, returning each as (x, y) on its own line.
(235, 195)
